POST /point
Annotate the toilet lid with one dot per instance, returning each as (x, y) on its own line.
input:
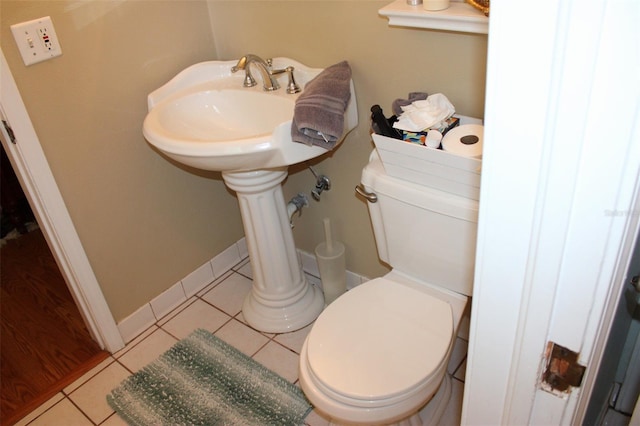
(379, 340)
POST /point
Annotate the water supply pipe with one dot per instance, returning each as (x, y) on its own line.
(295, 205)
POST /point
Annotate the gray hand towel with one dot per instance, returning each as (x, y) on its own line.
(397, 105)
(318, 117)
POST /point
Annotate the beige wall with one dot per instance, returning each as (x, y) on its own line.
(144, 222)
(387, 63)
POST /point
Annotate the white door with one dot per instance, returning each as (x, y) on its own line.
(37, 181)
(559, 205)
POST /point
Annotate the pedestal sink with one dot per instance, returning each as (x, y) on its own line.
(206, 119)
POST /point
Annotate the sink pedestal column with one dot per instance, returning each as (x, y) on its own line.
(281, 299)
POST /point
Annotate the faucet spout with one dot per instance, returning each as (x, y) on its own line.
(269, 81)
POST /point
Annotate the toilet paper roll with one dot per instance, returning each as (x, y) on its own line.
(464, 140)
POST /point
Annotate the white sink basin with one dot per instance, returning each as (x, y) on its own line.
(206, 119)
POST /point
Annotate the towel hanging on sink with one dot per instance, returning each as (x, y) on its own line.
(318, 117)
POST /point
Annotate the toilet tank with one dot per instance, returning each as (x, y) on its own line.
(427, 234)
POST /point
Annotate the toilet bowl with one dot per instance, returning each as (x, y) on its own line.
(378, 354)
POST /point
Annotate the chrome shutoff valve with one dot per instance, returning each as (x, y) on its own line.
(323, 183)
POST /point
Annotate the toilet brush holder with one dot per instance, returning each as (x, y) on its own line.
(333, 270)
(330, 255)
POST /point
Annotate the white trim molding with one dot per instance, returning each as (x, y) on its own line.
(38, 183)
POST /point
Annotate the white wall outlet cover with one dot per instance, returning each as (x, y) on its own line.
(36, 40)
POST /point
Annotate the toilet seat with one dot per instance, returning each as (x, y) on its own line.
(379, 344)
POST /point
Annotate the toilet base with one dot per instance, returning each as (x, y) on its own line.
(430, 414)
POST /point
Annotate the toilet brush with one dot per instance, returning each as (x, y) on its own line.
(327, 235)
(330, 255)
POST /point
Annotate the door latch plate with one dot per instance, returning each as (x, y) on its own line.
(562, 370)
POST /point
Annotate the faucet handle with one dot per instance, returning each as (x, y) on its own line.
(242, 64)
(249, 81)
(292, 87)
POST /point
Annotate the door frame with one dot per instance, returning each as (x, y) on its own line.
(553, 174)
(37, 181)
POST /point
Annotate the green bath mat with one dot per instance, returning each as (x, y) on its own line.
(202, 380)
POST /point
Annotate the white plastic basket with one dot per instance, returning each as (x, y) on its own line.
(431, 167)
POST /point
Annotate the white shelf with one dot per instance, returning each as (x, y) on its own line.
(460, 16)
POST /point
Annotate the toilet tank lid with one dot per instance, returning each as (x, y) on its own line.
(375, 179)
(379, 340)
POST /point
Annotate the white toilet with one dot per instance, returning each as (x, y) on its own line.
(379, 353)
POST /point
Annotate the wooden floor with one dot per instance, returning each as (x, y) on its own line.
(44, 344)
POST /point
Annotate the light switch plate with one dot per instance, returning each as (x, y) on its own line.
(36, 40)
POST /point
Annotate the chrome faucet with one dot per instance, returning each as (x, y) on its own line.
(269, 81)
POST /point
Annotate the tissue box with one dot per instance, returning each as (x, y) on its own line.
(420, 137)
(431, 167)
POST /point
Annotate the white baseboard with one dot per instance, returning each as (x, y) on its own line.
(161, 305)
(133, 325)
(167, 301)
(310, 266)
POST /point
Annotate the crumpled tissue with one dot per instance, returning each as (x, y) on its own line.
(423, 114)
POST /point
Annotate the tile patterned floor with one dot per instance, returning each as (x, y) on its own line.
(216, 308)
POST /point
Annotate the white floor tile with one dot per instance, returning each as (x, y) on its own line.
(147, 350)
(88, 375)
(41, 409)
(91, 396)
(244, 262)
(240, 318)
(245, 269)
(461, 371)
(217, 281)
(242, 337)
(63, 413)
(135, 341)
(229, 295)
(315, 419)
(197, 315)
(295, 339)
(280, 360)
(114, 420)
(458, 354)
